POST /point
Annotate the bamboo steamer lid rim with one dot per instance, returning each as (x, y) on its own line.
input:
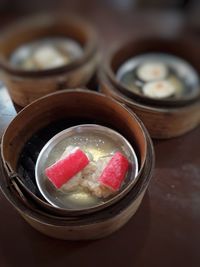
(48, 21)
(121, 51)
(48, 220)
(129, 102)
(35, 103)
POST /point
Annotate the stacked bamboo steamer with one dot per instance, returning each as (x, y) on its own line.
(72, 107)
(162, 118)
(27, 85)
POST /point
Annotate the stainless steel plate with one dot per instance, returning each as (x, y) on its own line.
(70, 47)
(91, 138)
(185, 73)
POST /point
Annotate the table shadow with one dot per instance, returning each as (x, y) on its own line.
(122, 248)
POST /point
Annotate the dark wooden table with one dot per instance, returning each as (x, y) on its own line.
(166, 229)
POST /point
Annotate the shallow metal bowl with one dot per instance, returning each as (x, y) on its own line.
(186, 73)
(56, 145)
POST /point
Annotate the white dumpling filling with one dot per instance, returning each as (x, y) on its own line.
(47, 56)
(90, 177)
(152, 71)
(159, 89)
(87, 179)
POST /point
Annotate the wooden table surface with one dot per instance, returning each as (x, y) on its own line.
(165, 230)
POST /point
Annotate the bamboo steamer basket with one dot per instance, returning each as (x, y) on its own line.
(162, 121)
(74, 107)
(26, 86)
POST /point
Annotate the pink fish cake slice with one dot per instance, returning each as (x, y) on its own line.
(115, 171)
(64, 169)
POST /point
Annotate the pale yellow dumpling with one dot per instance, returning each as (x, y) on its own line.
(48, 57)
(159, 89)
(152, 71)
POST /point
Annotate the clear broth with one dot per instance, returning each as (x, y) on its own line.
(180, 74)
(96, 144)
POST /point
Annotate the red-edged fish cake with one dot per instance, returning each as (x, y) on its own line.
(115, 172)
(64, 169)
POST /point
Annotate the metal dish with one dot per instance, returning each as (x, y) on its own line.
(68, 48)
(186, 75)
(57, 143)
